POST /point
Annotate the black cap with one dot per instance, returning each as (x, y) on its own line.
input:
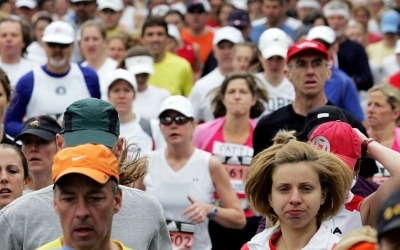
(43, 126)
(388, 216)
(196, 6)
(319, 115)
(239, 19)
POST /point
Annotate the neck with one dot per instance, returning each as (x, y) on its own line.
(58, 70)
(39, 181)
(179, 152)
(225, 70)
(10, 59)
(236, 129)
(142, 87)
(198, 32)
(126, 117)
(384, 135)
(159, 57)
(302, 236)
(97, 62)
(301, 106)
(274, 79)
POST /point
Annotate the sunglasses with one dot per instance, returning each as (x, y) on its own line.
(61, 45)
(180, 120)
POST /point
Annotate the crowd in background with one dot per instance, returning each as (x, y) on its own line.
(207, 91)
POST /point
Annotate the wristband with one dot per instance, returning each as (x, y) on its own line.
(364, 146)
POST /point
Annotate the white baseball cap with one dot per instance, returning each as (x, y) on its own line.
(177, 103)
(115, 5)
(121, 74)
(140, 64)
(31, 4)
(274, 42)
(160, 10)
(59, 32)
(228, 33)
(322, 32)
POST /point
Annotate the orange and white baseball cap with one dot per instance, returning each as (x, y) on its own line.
(95, 161)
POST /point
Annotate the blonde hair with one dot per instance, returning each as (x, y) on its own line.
(392, 96)
(335, 176)
(131, 168)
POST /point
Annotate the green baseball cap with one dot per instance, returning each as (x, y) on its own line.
(90, 120)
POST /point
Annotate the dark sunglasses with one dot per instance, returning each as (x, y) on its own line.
(180, 120)
(61, 45)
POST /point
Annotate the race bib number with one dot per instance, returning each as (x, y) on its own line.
(182, 234)
(236, 172)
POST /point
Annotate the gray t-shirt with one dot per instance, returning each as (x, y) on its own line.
(30, 221)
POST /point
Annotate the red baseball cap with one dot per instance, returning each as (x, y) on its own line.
(306, 45)
(339, 138)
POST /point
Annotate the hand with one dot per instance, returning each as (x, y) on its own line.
(196, 212)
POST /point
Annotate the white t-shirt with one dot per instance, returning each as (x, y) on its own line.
(278, 96)
(103, 72)
(200, 98)
(147, 103)
(132, 132)
(16, 70)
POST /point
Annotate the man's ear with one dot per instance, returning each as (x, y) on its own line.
(118, 201)
(59, 142)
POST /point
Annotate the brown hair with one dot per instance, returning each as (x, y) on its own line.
(131, 168)
(5, 81)
(335, 176)
(255, 86)
(21, 156)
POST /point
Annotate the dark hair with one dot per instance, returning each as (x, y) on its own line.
(41, 16)
(132, 52)
(25, 30)
(310, 18)
(21, 156)
(154, 22)
(5, 81)
(255, 86)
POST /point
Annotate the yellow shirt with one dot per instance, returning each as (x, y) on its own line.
(378, 51)
(173, 74)
(57, 245)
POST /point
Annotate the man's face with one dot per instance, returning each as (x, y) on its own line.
(84, 10)
(58, 55)
(273, 11)
(25, 12)
(86, 211)
(39, 153)
(308, 72)
(110, 18)
(338, 23)
(196, 19)
(11, 39)
(223, 52)
(155, 39)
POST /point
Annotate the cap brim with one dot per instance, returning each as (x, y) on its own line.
(57, 39)
(389, 226)
(48, 136)
(177, 109)
(89, 136)
(96, 175)
(140, 69)
(271, 51)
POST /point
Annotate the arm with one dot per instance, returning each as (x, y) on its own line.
(231, 215)
(390, 159)
(187, 79)
(19, 102)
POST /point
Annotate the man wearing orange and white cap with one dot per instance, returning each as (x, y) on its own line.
(86, 197)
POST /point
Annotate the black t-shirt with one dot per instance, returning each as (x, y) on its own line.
(286, 118)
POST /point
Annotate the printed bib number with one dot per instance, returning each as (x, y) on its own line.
(236, 172)
(181, 234)
(181, 241)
